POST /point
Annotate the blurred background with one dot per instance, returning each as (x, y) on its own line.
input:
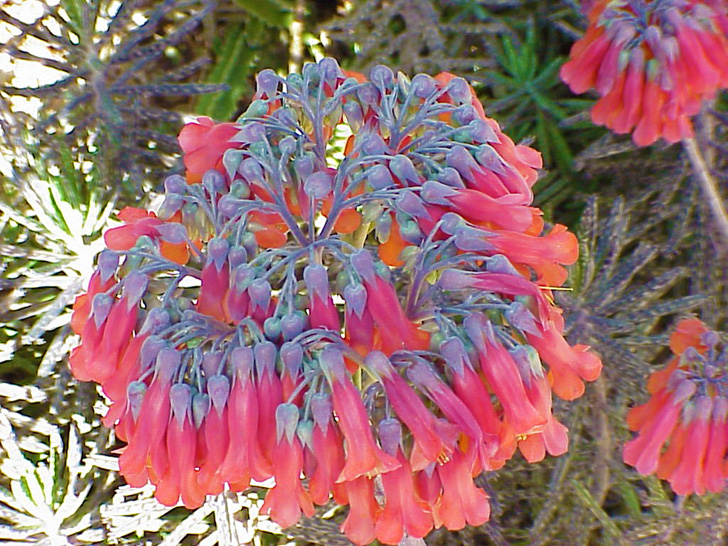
(92, 96)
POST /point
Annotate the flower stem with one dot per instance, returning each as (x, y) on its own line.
(708, 186)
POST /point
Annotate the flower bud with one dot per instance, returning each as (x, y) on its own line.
(381, 76)
(218, 387)
(423, 85)
(180, 398)
(267, 82)
(286, 422)
(175, 184)
(318, 185)
(379, 177)
(135, 395)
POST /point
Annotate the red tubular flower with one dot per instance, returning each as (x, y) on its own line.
(288, 499)
(359, 525)
(569, 366)
(461, 502)
(92, 334)
(455, 411)
(411, 411)
(715, 473)
(270, 395)
(245, 426)
(545, 255)
(643, 451)
(322, 311)
(204, 143)
(396, 329)
(363, 456)
(328, 451)
(180, 479)
(652, 62)
(155, 410)
(693, 426)
(215, 281)
(402, 511)
(138, 223)
(215, 435)
(123, 317)
(689, 476)
(504, 379)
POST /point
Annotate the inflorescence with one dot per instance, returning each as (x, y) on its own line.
(370, 326)
(682, 430)
(653, 62)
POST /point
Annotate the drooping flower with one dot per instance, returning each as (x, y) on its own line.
(373, 329)
(682, 428)
(653, 62)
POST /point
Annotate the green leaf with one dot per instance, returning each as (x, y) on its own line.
(276, 13)
(608, 525)
(233, 67)
(562, 153)
(74, 9)
(631, 500)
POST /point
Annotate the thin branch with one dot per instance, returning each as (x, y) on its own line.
(709, 187)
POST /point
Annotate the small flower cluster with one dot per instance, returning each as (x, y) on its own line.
(370, 328)
(683, 429)
(653, 62)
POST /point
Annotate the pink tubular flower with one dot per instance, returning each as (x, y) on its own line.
(288, 499)
(411, 410)
(461, 501)
(215, 280)
(155, 409)
(652, 62)
(687, 411)
(569, 366)
(403, 512)
(359, 525)
(363, 456)
(328, 451)
(204, 143)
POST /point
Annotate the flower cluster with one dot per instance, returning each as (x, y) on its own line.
(369, 328)
(682, 430)
(653, 62)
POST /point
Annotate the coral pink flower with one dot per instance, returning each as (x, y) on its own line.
(359, 525)
(569, 366)
(328, 450)
(138, 223)
(504, 379)
(688, 411)
(715, 473)
(155, 410)
(461, 502)
(215, 281)
(396, 329)
(403, 512)
(288, 499)
(689, 475)
(203, 143)
(653, 63)
(363, 456)
(545, 255)
(411, 411)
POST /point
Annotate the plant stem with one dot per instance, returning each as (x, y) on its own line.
(709, 187)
